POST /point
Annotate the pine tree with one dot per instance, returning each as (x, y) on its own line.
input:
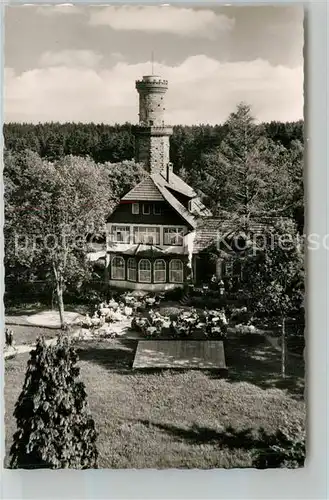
(246, 176)
(55, 429)
(273, 279)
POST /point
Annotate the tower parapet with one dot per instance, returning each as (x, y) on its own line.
(151, 91)
(152, 135)
(152, 81)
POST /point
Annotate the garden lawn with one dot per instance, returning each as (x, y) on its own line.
(176, 418)
(27, 335)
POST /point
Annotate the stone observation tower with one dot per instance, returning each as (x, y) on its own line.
(152, 135)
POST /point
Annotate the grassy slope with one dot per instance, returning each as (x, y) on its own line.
(176, 419)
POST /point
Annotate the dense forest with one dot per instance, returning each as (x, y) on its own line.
(240, 169)
(115, 143)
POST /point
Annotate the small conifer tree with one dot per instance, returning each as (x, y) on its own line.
(55, 429)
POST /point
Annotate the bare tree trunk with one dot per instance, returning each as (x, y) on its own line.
(59, 293)
(52, 299)
(60, 305)
(283, 348)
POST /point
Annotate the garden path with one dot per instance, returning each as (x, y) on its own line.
(50, 319)
(46, 319)
(20, 349)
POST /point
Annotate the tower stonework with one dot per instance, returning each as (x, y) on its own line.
(152, 135)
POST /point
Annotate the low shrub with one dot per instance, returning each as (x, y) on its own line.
(174, 295)
(206, 301)
(284, 449)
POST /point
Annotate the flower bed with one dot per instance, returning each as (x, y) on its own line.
(119, 309)
(187, 325)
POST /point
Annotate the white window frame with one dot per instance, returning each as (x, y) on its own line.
(157, 210)
(149, 209)
(135, 208)
(177, 233)
(120, 228)
(132, 269)
(144, 275)
(149, 232)
(176, 275)
(159, 275)
(118, 272)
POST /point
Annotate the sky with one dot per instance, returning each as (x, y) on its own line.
(74, 63)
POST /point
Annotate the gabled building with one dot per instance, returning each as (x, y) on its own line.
(158, 235)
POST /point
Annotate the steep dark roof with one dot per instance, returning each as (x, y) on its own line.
(175, 183)
(155, 188)
(199, 209)
(146, 190)
(176, 205)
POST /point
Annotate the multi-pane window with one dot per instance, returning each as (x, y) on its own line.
(132, 269)
(118, 268)
(147, 235)
(159, 271)
(176, 271)
(144, 271)
(121, 234)
(173, 236)
(135, 208)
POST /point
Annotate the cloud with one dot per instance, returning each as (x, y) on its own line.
(201, 90)
(70, 58)
(169, 19)
(61, 9)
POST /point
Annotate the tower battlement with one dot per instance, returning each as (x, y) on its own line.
(152, 83)
(151, 91)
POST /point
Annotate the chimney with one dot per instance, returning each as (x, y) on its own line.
(169, 170)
